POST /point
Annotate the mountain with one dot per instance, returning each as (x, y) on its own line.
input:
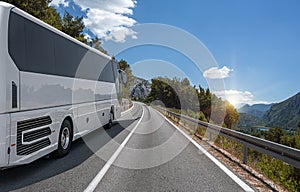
(248, 120)
(256, 110)
(140, 89)
(285, 114)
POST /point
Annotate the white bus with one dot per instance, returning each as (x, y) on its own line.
(53, 89)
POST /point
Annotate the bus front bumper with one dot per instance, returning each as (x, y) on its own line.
(4, 140)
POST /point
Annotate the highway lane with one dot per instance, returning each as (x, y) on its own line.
(159, 158)
(155, 158)
(74, 171)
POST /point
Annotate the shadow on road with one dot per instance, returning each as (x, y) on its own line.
(44, 168)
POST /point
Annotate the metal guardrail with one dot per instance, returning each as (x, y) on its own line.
(281, 152)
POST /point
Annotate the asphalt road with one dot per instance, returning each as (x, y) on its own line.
(150, 155)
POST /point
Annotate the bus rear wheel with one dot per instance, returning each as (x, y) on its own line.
(64, 139)
(109, 124)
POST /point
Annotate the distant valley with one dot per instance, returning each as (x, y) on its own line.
(285, 114)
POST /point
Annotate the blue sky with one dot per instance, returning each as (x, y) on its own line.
(256, 44)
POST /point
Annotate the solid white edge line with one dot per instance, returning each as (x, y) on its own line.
(235, 178)
(93, 184)
(122, 113)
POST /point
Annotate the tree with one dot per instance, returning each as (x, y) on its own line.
(205, 98)
(231, 116)
(123, 65)
(179, 94)
(297, 137)
(33, 7)
(39, 9)
(274, 134)
(96, 43)
(163, 89)
(185, 82)
(73, 26)
(53, 18)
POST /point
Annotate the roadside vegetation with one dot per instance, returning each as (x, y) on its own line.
(180, 97)
(278, 171)
(200, 103)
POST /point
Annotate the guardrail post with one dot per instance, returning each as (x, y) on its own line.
(245, 159)
(210, 136)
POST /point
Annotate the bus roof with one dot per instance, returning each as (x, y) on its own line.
(6, 5)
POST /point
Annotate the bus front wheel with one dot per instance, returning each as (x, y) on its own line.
(64, 139)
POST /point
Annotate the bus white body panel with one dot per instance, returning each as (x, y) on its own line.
(4, 139)
(8, 71)
(34, 103)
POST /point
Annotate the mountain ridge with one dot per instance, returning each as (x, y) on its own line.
(256, 110)
(285, 114)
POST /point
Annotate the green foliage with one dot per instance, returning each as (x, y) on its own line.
(281, 136)
(297, 137)
(285, 114)
(73, 26)
(36, 8)
(274, 134)
(52, 17)
(248, 120)
(39, 9)
(232, 116)
(280, 172)
(123, 65)
(96, 43)
(162, 89)
(179, 94)
(202, 117)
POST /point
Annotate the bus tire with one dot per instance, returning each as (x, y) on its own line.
(64, 139)
(109, 124)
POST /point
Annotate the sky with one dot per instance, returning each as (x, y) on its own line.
(251, 47)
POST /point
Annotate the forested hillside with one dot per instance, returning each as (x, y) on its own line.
(285, 115)
(248, 120)
(179, 94)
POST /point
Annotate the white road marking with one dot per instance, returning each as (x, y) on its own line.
(92, 186)
(235, 178)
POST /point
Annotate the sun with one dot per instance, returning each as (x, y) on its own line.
(233, 101)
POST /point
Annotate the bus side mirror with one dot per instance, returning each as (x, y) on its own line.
(123, 75)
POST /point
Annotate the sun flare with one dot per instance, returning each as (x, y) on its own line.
(233, 101)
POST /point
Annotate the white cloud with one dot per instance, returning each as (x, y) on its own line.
(215, 73)
(57, 3)
(109, 19)
(119, 34)
(238, 98)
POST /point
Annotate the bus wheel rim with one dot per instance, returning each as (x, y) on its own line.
(65, 138)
